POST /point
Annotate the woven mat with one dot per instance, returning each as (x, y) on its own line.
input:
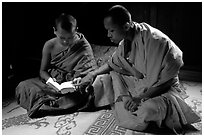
(16, 122)
(106, 124)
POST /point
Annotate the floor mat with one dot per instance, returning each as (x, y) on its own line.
(16, 122)
(106, 125)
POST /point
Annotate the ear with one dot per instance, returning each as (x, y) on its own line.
(54, 30)
(126, 26)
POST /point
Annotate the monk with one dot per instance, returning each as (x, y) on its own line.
(140, 81)
(64, 58)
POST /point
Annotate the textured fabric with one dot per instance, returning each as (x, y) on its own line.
(103, 90)
(34, 95)
(72, 62)
(154, 58)
(153, 61)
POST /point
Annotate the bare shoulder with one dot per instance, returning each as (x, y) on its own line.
(49, 45)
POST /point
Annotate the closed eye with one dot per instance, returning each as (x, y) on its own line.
(63, 38)
(111, 30)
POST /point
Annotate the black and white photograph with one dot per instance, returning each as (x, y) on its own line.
(101, 68)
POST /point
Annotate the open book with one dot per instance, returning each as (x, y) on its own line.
(64, 87)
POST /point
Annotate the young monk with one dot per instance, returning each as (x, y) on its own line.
(142, 85)
(64, 57)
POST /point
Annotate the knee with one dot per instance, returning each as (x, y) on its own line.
(100, 79)
(97, 82)
(18, 91)
(20, 85)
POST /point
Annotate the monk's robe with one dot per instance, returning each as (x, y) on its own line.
(75, 61)
(154, 60)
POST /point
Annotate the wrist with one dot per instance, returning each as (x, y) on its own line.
(125, 97)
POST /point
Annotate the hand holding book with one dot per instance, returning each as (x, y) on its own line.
(69, 86)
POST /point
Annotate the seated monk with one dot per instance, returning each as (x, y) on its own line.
(64, 58)
(140, 81)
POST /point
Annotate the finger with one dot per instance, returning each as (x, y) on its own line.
(132, 106)
(84, 73)
(133, 109)
(127, 105)
(79, 80)
(54, 79)
(80, 83)
(77, 84)
(76, 80)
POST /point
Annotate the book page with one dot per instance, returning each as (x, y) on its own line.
(67, 84)
(55, 85)
(67, 87)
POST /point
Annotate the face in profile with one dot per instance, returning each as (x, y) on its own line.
(65, 37)
(116, 33)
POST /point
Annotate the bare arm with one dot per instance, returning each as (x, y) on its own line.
(45, 61)
(156, 91)
(132, 103)
(102, 70)
(91, 75)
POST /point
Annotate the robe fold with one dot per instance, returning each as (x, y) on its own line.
(154, 60)
(34, 95)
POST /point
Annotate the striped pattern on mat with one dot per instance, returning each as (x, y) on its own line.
(15, 120)
(105, 124)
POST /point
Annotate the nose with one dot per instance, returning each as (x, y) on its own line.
(64, 41)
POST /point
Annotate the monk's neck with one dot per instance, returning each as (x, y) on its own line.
(128, 41)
